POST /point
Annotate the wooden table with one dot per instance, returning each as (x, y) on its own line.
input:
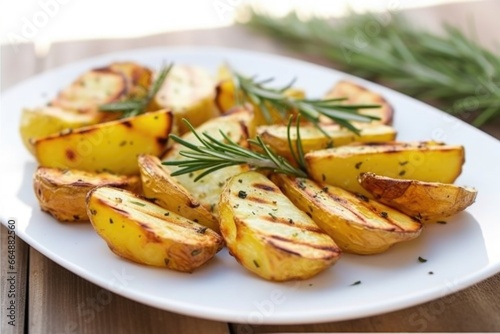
(53, 300)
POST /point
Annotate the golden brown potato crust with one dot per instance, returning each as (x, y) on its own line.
(61, 192)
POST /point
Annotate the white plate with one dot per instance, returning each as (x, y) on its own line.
(460, 253)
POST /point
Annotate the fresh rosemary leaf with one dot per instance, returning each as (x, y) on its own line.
(212, 154)
(121, 106)
(255, 91)
(449, 70)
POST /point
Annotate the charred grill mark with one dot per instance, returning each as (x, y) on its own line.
(255, 199)
(111, 72)
(245, 134)
(86, 130)
(286, 250)
(345, 204)
(169, 119)
(70, 154)
(328, 248)
(150, 235)
(120, 185)
(265, 187)
(121, 211)
(218, 92)
(374, 143)
(128, 124)
(105, 70)
(162, 141)
(81, 183)
(296, 225)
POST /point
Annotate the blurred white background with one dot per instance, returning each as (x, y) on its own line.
(47, 21)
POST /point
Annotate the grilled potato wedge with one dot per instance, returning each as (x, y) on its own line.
(138, 77)
(237, 126)
(44, 121)
(356, 94)
(164, 190)
(357, 224)
(62, 192)
(91, 89)
(225, 99)
(424, 200)
(189, 92)
(112, 146)
(104, 85)
(423, 161)
(146, 233)
(313, 139)
(268, 235)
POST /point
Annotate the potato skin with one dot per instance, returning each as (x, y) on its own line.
(62, 192)
(357, 224)
(424, 161)
(268, 235)
(426, 201)
(112, 146)
(145, 233)
(164, 190)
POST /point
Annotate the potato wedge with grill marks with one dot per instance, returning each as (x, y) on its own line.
(357, 224)
(139, 77)
(112, 146)
(239, 126)
(62, 192)
(268, 235)
(313, 139)
(115, 82)
(424, 161)
(146, 233)
(91, 89)
(164, 190)
(189, 92)
(424, 200)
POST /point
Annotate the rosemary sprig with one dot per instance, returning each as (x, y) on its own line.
(135, 107)
(450, 70)
(265, 97)
(213, 154)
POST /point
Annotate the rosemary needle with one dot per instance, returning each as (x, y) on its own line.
(449, 70)
(258, 93)
(212, 154)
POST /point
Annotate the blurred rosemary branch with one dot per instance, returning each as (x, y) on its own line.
(449, 70)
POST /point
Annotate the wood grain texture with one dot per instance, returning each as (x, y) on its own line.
(61, 302)
(17, 275)
(474, 309)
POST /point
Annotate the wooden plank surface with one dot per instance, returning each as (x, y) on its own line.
(14, 284)
(61, 302)
(474, 309)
